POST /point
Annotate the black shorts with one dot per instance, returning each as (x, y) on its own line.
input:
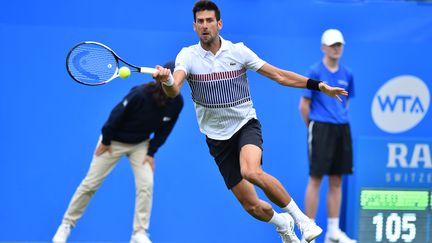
(227, 152)
(329, 149)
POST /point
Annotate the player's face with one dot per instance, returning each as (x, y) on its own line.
(207, 27)
(334, 51)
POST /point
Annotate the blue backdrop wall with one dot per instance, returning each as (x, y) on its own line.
(50, 124)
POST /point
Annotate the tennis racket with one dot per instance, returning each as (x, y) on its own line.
(92, 63)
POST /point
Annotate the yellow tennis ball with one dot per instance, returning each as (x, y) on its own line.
(124, 72)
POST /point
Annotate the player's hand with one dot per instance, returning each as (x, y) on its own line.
(149, 159)
(102, 148)
(332, 91)
(162, 74)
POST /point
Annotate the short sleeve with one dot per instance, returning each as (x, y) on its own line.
(250, 59)
(182, 61)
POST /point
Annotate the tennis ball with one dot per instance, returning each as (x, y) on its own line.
(124, 72)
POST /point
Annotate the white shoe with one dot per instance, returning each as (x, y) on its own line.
(62, 233)
(310, 230)
(140, 237)
(339, 237)
(288, 235)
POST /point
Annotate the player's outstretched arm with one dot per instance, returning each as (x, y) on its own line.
(283, 77)
(292, 79)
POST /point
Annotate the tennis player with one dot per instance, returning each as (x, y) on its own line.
(215, 69)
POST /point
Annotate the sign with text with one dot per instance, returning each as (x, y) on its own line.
(394, 162)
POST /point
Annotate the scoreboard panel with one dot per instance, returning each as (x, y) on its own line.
(389, 195)
(395, 215)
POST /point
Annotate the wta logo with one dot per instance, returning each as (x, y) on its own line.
(400, 104)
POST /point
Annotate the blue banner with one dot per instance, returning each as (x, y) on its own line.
(394, 162)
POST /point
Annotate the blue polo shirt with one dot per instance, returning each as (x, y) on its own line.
(323, 107)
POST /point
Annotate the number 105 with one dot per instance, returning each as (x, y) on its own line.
(396, 227)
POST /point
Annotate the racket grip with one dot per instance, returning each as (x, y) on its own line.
(147, 70)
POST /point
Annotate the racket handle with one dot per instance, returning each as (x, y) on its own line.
(147, 70)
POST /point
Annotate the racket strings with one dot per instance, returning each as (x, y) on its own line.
(92, 64)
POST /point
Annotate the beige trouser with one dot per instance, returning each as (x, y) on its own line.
(100, 167)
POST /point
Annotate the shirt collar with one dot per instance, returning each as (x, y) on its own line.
(223, 47)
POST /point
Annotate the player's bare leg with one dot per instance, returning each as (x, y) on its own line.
(261, 210)
(248, 198)
(250, 164)
(250, 168)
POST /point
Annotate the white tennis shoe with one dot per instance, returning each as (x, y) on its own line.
(310, 230)
(288, 235)
(62, 233)
(140, 237)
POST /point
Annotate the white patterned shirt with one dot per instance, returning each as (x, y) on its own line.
(219, 85)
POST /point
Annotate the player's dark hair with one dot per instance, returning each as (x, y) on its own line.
(156, 89)
(206, 5)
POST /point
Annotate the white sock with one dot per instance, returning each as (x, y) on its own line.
(332, 226)
(67, 225)
(295, 212)
(278, 221)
